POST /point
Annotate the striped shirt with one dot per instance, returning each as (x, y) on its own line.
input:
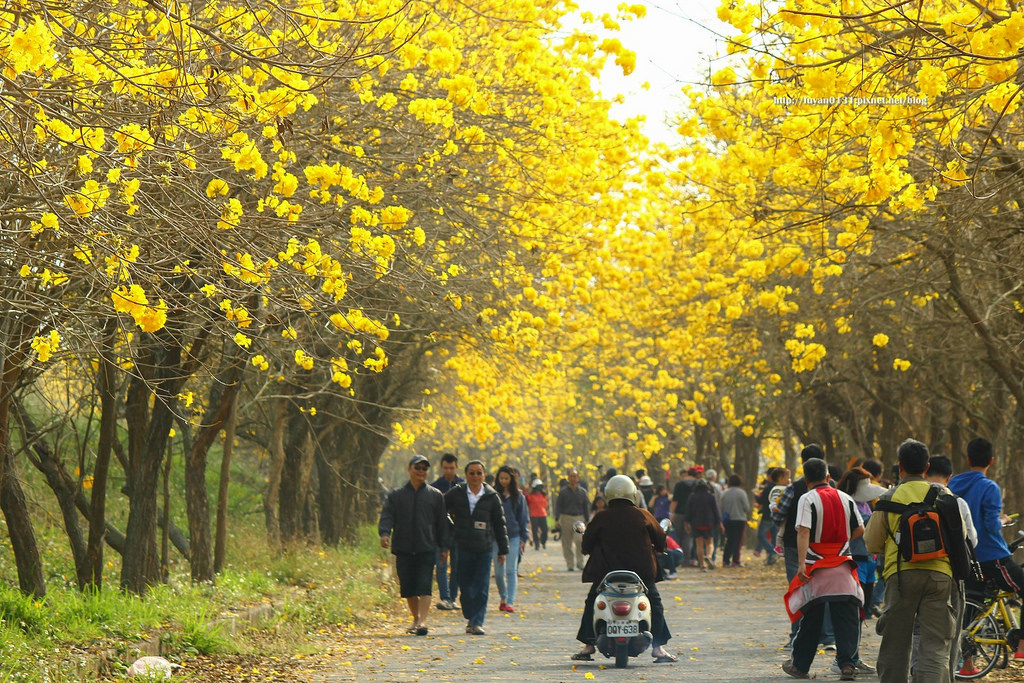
(832, 517)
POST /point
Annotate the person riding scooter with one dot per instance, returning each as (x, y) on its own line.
(623, 537)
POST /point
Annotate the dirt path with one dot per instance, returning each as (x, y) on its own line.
(727, 625)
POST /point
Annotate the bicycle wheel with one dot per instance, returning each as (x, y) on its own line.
(983, 638)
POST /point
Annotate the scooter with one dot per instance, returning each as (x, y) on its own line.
(622, 617)
(622, 614)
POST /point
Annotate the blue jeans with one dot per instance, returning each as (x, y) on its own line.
(474, 582)
(448, 575)
(767, 531)
(669, 560)
(878, 595)
(505, 574)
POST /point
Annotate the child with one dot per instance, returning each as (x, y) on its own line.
(780, 480)
(660, 505)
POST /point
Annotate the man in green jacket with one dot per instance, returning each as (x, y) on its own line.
(921, 591)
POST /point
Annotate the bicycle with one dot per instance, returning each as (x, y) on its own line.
(992, 633)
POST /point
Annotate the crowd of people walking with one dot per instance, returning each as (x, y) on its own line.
(842, 535)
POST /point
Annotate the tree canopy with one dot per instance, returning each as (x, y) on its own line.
(334, 229)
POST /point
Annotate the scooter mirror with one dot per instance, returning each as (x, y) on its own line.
(666, 525)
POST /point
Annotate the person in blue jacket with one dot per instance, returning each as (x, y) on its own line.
(985, 500)
(517, 525)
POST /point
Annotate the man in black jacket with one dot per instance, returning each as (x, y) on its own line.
(415, 514)
(479, 523)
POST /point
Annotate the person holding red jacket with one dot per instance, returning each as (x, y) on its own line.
(826, 521)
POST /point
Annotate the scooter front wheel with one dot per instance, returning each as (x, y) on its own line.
(621, 655)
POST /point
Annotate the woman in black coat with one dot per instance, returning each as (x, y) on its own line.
(703, 517)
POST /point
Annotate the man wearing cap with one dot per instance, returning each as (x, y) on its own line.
(415, 516)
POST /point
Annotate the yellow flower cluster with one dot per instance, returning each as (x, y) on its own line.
(245, 155)
(45, 346)
(133, 301)
(303, 359)
(27, 49)
(356, 321)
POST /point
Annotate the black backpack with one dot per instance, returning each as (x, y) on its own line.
(962, 559)
(932, 529)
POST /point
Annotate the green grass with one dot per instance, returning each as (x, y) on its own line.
(314, 588)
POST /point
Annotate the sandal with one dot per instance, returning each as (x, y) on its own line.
(582, 656)
(665, 659)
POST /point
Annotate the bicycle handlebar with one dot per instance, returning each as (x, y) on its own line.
(1017, 542)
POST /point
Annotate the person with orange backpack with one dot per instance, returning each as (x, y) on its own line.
(919, 583)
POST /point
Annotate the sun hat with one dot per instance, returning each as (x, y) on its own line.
(646, 481)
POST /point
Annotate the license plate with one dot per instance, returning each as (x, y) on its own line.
(622, 628)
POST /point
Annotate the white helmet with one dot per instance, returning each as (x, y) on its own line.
(620, 487)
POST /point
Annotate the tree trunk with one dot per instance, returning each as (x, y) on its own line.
(748, 450)
(294, 477)
(12, 497)
(788, 449)
(366, 483)
(222, 396)
(273, 495)
(165, 515)
(334, 466)
(888, 439)
(328, 467)
(220, 540)
(104, 447)
(1012, 479)
(64, 488)
(140, 565)
(23, 536)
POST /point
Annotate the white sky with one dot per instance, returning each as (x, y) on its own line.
(673, 46)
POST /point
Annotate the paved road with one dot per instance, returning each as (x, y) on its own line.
(727, 625)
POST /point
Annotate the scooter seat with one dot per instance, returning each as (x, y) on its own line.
(623, 581)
